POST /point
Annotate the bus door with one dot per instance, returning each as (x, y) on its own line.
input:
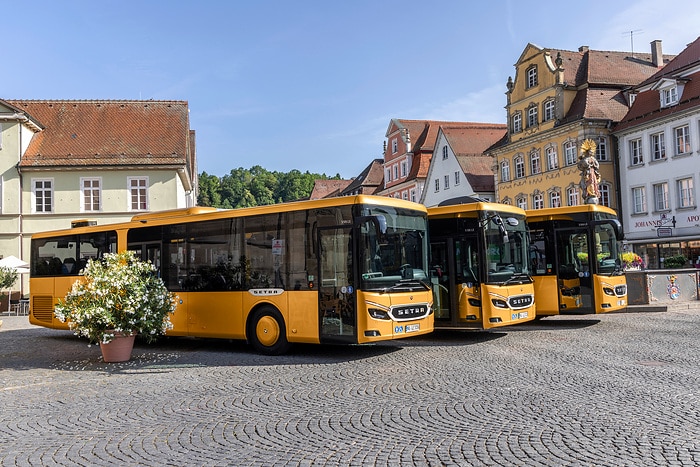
(440, 274)
(338, 316)
(574, 271)
(456, 290)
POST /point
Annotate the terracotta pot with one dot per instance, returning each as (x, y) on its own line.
(119, 349)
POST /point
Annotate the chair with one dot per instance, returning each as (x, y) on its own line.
(14, 307)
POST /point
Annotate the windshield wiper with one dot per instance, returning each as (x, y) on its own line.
(517, 277)
(406, 284)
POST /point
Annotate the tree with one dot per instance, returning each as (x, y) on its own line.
(255, 187)
(8, 277)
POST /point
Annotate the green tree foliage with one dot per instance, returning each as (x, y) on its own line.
(8, 277)
(255, 187)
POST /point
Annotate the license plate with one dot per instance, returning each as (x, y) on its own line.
(522, 314)
(412, 327)
(621, 302)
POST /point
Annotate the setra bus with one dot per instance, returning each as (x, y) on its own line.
(479, 268)
(575, 260)
(341, 270)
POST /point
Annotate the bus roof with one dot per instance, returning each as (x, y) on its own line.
(209, 213)
(562, 212)
(455, 210)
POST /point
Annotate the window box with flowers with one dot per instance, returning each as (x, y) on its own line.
(119, 296)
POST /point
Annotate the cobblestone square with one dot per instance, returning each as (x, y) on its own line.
(618, 389)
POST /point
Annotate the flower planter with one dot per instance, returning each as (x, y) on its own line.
(118, 349)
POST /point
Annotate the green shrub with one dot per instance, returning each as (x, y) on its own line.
(674, 262)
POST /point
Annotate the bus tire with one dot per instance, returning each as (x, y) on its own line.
(267, 332)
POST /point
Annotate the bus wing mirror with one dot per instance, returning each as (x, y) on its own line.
(379, 222)
(614, 223)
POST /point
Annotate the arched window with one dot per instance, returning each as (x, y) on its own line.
(554, 199)
(535, 163)
(519, 161)
(604, 194)
(505, 171)
(532, 116)
(531, 77)
(548, 110)
(570, 155)
(572, 196)
(517, 122)
(537, 200)
(552, 157)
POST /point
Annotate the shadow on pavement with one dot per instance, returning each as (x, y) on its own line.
(553, 323)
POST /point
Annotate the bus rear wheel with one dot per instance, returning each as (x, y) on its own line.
(267, 332)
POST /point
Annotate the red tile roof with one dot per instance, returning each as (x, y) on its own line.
(602, 76)
(423, 134)
(108, 133)
(325, 188)
(647, 104)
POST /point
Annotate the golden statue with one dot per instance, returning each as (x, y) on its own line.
(590, 175)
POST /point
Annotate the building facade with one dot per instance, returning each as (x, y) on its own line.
(659, 147)
(63, 160)
(559, 99)
(407, 153)
(458, 167)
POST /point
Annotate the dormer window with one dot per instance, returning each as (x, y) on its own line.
(669, 96)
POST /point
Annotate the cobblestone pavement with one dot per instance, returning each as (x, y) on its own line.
(619, 389)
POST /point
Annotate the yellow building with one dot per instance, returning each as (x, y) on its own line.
(558, 99)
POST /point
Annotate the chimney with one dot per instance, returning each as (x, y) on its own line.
(583, 48)
(657, 57)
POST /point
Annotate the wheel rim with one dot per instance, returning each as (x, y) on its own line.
(267, 331)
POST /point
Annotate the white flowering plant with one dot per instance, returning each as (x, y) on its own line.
(119, 293)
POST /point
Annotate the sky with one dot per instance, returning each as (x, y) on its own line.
(310, 85)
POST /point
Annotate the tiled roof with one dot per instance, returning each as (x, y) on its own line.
(647, 104)
(479, 171)
(472, 138)
(599, 67)
(370, 178)
(324, 188)
(689, 56)
(424, 134)
(108, 133)
(597, 103)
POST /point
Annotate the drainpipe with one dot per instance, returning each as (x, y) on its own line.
(20, 211)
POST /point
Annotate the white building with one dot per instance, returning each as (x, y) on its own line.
(106, 160)
(659, 150)
(458, 166)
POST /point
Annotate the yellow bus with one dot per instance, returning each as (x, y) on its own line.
(479, 265)
(575, 260)
(342, 270)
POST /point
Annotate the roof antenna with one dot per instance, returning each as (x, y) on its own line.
(631, 33)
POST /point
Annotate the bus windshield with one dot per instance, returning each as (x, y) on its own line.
(608, 250)
(506, 248)
(393, 250)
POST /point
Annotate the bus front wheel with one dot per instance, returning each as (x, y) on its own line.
(267, 332)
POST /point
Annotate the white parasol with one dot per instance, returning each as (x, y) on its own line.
(15, 263)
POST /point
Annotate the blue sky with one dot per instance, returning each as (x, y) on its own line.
(309, 85)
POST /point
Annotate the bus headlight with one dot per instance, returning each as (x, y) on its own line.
(608, 291)
(498, 303)
(378, 314)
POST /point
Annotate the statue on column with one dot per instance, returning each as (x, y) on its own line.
(590, 174)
